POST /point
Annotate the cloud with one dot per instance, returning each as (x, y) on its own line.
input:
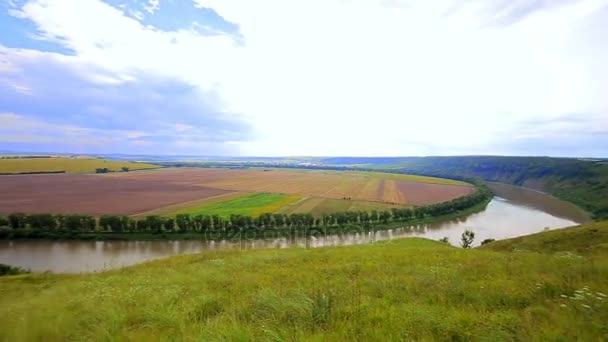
(67, 98)
(18, 32)
(329, 77)
(505, 12)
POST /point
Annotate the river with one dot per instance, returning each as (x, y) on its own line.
(512, 212)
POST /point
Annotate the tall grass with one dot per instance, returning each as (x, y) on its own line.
(411, 289)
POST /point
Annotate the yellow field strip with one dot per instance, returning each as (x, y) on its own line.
(304, 206)
(276, 206)
(392, 193)
(411, 178)
(369, 190)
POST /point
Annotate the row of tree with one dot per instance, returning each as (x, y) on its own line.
(206, 223)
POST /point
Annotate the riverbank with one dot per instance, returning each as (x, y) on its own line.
(235, 234)
(409, 289)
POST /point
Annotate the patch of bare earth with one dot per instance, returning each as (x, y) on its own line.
(426, 193)
(95, 195)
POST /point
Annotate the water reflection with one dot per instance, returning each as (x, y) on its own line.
(513, 212)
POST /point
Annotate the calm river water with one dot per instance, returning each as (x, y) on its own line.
(513, 212)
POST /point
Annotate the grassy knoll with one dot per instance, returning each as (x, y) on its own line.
(249, 205)
(69, 165)
(590, 238)
(410, 289)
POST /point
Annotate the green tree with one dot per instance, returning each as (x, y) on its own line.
(17, 220)
(41, 222)
(154, 223)
(73, 223)
(169, 224)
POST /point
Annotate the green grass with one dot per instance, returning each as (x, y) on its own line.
(410, 289)
(69, 165)
(590, 238)
(246, 205)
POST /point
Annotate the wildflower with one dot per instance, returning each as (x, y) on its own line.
(586, 306)
(600, 294)
(563, 296)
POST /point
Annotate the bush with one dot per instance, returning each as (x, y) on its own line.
(487, 241)
(11, 270)
(466, 239)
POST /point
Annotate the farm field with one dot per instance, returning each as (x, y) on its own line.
(92, 194)
(248, 205)
(169, 191)
(69, 165)
(319, 206)
(325, 184)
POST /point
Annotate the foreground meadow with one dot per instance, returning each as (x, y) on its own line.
(411, 289)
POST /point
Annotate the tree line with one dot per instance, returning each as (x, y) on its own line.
(216, 223)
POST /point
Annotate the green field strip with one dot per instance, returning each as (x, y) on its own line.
(244, 205)
(179, 208)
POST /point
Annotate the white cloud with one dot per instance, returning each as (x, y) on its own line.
(152, 6)
(328, 77)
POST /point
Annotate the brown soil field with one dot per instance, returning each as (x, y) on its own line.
(92, 194)
(424, 193)
(160, 190)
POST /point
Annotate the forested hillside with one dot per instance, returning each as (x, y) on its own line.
(582, 182)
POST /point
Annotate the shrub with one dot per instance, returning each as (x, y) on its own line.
(11, 270)
(466, 239)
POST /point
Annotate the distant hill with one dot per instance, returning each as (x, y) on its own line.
(583, 182)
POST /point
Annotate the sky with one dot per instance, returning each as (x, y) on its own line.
(314, 77)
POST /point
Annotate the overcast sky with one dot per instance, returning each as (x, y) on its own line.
(313, 77)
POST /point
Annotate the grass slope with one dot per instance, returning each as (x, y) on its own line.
(590, 238)
(69, 165)
(411, 289)
(249, 205)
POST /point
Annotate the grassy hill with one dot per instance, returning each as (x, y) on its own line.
(68, 165)
(549, 286)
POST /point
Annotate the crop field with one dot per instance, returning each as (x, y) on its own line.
(170, 191)
(93, 194)
(250, 205)
(318, 206)
(69, 165)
